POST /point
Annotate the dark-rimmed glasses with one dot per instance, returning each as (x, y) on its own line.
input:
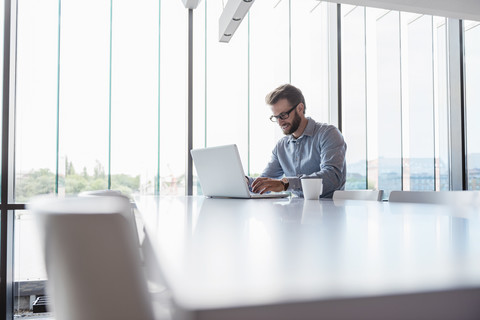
(283, 115)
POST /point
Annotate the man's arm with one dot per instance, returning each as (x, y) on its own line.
(265, 182)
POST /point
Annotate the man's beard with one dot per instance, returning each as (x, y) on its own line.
(295, 124)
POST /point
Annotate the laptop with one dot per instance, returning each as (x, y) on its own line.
(220, 172)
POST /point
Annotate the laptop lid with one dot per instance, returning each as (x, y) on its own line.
(220, 171)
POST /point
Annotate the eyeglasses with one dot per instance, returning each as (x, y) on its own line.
(283, 115)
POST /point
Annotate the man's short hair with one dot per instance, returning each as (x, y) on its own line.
(293, 95)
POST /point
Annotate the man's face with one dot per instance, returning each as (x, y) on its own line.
(292, 122)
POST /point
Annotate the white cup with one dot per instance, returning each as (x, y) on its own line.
(312, 188)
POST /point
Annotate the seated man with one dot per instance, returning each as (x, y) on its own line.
(309, 148)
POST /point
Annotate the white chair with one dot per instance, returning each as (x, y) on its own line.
(150, 263)
(370, 195)
(93, 267)
(128, 212)
(436, 197)
(103, 192)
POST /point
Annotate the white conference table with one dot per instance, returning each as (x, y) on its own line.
(317, 259)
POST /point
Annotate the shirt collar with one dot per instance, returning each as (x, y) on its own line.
(307, 132)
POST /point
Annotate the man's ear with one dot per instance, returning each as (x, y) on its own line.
(301, 107)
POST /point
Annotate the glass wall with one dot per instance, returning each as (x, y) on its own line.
(309, 55)
(133, 104)
(389, 134)
(354, 98)
(472, 100)
(269, 67)
(418, 103)
(394, 113)
(85, 121)
(171, 79)
(88, 112)
(83, 95)
(36, 98)
(226, 102)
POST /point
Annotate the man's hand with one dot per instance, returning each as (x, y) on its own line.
(262, 185)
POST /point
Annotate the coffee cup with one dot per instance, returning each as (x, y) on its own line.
(312, 188)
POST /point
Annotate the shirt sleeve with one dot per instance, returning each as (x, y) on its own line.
(332, 162)
(274, 169)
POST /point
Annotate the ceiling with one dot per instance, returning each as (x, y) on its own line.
(459, 9)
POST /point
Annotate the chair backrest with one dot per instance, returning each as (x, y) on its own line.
(102, 192)
(128, 212)
(93, 267)
(371, 195)
(437, 197)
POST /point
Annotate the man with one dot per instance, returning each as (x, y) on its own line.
(309, 148)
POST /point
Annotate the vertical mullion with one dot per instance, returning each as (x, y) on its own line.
(456, 105)
(339, 68)
(7, 216)
(109, 175)
(157, 182)
(58, 97)
(248, 95)
(205, 77)
(189, 169)
(334, 67)
(289, 41)
(434, 91)
(402, 173)
(366, 93)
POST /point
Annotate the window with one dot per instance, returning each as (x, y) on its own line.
(269, 68)
(226, 101)
(394, 103)
(84, 121)
(170, 152)
(310, 60)
(80, 107)
(83, 95)
(354, 104)
(36, 98)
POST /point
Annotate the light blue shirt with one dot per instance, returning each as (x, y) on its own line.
(318, 152)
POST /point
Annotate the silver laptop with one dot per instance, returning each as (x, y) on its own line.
(221, 174)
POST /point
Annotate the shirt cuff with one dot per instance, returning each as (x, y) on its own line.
(294, 183)
(250, 181)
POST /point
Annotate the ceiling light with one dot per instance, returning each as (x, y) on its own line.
(232, 16)
(191, 4)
